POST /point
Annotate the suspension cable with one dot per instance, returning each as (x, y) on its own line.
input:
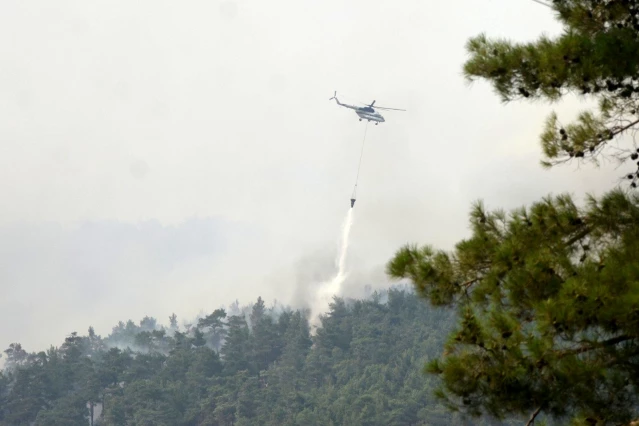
(360, 160)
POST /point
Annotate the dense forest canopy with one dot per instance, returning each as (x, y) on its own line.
(248, 366)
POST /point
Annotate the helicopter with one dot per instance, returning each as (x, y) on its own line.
(366, 112)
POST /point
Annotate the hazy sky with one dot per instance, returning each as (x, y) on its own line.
(162, 156)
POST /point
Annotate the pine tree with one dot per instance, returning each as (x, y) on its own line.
(173, 325)
(596, 57)
(198, 338)
(548, 302)
(236, 348)
(548, 297)
(15, 356)
(266, 345)
(213, 325)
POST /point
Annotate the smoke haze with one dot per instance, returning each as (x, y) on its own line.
(160, 157)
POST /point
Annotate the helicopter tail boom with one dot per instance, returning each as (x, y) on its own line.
(341, 104)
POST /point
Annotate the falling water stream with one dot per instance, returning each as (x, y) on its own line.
(329, 288)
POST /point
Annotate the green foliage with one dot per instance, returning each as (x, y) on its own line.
(70, 410)
(547, 297)
(548, 309)
(595, 57)
(363, 366)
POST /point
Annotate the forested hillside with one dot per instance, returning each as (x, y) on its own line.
(251, 366)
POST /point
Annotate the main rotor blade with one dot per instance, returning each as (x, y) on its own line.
(394, 109)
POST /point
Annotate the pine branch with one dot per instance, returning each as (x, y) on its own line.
(605, 343)
(612, 134)
(623, 129)
(581, 235)
(531, 421)
(468, 283)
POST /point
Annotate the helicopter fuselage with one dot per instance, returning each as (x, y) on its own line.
(365, 114)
